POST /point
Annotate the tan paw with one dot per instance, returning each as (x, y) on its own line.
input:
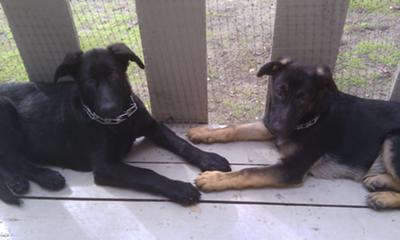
(211, 181)
(375, 183)
(380, 182)
(201, 134)
(383, 200)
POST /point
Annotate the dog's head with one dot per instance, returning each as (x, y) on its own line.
(101, 77)
(297, 92)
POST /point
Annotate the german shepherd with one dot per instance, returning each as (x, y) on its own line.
(318, 131)
(88, 124)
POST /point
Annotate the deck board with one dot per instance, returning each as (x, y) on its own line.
(46, 219)
(236, 153)
(321, 209)
(314, 191)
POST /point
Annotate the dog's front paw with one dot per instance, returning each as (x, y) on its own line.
(383, 200)
(376, 183)
(49, 179)
(18, 184)
(183, 193)
(210, 181)
(214, 162)
(200, 135)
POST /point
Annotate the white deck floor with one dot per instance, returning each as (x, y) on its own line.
(321, 209)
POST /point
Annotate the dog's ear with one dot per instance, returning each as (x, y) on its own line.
(273, 67)
(69, 65)
(323, 75)
(124, 54)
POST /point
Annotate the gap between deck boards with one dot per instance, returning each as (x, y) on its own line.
(201, 201)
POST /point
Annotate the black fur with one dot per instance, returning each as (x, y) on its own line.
(350, 128)
(44, 124)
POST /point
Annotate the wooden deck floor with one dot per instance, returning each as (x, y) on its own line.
(321, 209)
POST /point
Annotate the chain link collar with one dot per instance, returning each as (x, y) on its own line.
(111, 121)
(307, 124)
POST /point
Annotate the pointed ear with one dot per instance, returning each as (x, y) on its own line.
(69, 66)
(324, 76)
(124, 54)
(273, 67)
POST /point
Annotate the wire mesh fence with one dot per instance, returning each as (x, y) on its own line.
(11, 66)
(103, 22)
(239, 40)
(370, 48)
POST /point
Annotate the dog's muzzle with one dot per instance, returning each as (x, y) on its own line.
(112, 121)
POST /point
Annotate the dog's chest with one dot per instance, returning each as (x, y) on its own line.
(286, 147)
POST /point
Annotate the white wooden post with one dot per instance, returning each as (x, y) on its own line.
(309, 31)
(173, 36)
(395, 91)
(44, 32)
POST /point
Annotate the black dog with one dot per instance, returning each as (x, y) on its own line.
(87, 125)
(318, 130)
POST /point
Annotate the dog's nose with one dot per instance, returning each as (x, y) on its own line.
(109, 110)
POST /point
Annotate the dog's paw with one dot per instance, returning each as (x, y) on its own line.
(214, 162)
(18, 184)
(210, 181)
(383, 200)
(183, 193)
(200, 134)
(375, 183)
(7, 196)
(50, 180)
(381, 182)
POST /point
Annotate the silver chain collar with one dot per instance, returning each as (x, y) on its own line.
(307, 124)
(112, 121)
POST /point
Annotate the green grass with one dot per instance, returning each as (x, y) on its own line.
(98, 24)
(367, 55)
(381, 6)
(11, 66)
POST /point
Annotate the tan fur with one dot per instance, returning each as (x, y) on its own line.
(381, 181)
(246, 178)
(387, 157)
(384, 200)
(288, 149)
(285, 61)
(242, 132)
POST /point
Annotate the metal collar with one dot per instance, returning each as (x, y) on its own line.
(308, 124)
(112, 121)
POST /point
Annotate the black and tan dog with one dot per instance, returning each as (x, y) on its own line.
(88, 125)
(318, 130)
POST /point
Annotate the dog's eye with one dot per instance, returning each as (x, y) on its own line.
(114, 76)
(281, 91)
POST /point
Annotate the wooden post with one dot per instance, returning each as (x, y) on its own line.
(173, 36)
(44, 32)
(395, 91)
(308, 31)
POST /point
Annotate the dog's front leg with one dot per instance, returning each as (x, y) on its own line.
(273, 176)
(126, 176)
(242, 132)
(290, 172)
(166, 138)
